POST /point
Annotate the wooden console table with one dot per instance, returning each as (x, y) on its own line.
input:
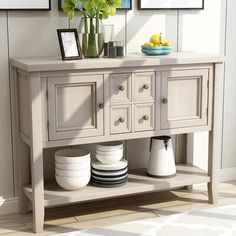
(59, 103)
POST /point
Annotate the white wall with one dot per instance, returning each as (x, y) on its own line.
(229, 142)
(33, 33)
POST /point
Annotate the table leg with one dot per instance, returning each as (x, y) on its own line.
(37, 152)
(215, 135)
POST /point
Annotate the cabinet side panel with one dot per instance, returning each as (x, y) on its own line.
(23, 101)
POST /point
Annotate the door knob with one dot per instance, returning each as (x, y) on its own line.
(101, 105)
(121, 88)
(122, 119)
(146, 86)
(146, 117)
(164, 100)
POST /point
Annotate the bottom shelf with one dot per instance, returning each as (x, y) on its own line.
(138, 182)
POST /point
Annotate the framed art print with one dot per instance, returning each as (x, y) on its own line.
(126, 4)
(170, 4)
(69, 44)
(25, 4)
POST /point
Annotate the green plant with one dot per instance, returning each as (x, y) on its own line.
(101, 9)
(92, 9)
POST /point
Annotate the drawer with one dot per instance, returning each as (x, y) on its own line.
(144, 117)
(120, 119)
(144, 86)
(120, 88)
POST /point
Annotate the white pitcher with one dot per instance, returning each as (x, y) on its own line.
(161, 160)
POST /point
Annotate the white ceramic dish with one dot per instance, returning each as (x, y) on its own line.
(110, 153)
(72, 183)
(80, 166)
(73, 155)
(120, 165)
(108, 160)
(72, 173)
(109, 146)
(110, 179)
(110, 173)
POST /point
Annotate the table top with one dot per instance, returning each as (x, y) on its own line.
(37, 64)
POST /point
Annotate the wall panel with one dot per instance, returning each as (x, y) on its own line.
(229, 147)
(6, 167)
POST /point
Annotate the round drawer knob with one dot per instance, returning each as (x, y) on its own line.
(164, 100)
(122, 119)
(101, 105)
(121, 88)
(146, 86)
(146, 117)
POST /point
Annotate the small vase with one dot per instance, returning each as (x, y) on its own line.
(91, 32)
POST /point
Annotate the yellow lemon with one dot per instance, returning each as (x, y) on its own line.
(151, 44)
(146, 44)
(168, 43)
(154, 39)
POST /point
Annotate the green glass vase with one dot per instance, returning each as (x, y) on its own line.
(91, 33)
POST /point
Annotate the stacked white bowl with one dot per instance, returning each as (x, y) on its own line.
(109, 170)
(72, 168)
(109, 153)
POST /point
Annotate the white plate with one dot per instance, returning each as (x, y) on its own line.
(116, 166)
(110, 173)
(108, 179)
(109, 146)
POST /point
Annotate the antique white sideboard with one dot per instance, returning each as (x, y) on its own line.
(64, 103)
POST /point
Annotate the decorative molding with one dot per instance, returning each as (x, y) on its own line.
(228, 174)
(9, 206)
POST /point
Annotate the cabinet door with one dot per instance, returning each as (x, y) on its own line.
(184, 96)
(75, 106)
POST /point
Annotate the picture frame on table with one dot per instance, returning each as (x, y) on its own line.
(69, 44)
(25, 5)
(126, 5)
(171, 4)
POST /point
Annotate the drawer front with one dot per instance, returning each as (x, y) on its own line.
(120, 88)
(144, 86)
(120, 119)
(144, 117)
(184, 98)
(73, 106)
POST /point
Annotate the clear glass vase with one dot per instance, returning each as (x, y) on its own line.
(91, 33)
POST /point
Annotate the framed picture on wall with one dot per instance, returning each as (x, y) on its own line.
(25, 4)
(170, 4)
(69, 44)
(126, 4)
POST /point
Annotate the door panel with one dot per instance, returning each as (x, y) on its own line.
(184, 97)
(73, 106)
